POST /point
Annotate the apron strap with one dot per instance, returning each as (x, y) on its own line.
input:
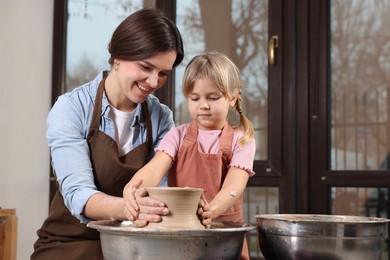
(98, 109)
(225, 145)
(192, 132)
(148, 125)
(98, 105)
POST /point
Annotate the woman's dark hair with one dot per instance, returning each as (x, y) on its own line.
(143, 34)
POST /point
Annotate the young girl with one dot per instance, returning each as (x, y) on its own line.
(207, 153)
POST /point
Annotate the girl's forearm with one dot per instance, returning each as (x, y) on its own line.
(222, 202)
(153, 172)
(232, 188)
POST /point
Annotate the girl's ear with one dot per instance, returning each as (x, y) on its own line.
(233, 101)
(234, 98)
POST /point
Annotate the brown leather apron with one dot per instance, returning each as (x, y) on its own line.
(62, 236)
(193, 168)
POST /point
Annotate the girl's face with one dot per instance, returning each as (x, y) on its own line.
(133, 81)
(207, 105)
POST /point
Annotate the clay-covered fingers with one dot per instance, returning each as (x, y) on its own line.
(206, 219)
(151, 209)
(139, 223)
(131, 207)
(152, 205)
(129, 210)
(204, 212)
(141, 192)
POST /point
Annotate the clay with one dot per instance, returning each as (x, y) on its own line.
(182, 204)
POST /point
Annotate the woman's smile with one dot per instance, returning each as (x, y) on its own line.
(143, 88)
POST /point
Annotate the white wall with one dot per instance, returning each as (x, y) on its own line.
(25, 93)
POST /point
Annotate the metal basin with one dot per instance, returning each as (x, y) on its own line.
(121, 241)
(327, 237)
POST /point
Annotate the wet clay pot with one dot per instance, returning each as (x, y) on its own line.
(182, 204)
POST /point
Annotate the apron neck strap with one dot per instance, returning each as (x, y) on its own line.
(98, 109)
(148, 123)
(98, 105)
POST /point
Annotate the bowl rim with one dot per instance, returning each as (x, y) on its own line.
(115, 226)
(174, 188)
(323, 218)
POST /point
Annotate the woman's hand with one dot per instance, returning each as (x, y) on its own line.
(150, 210)
(204, 212)
(140, 208)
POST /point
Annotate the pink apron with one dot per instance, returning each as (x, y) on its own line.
(193, 168)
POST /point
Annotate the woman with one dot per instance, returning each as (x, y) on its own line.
(102, 132)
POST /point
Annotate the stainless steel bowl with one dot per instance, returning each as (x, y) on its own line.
(121, 241)
(330, 237)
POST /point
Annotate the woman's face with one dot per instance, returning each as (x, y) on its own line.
(133, 81)
(207, 105)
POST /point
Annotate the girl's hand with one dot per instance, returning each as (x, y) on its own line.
(204, 212)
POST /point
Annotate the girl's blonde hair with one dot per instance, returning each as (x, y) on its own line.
(224, 73)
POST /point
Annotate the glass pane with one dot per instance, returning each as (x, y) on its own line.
(362, 201)
(203, 25)
(258, 200)
(90, 27)
(360, 69)
(369, 202)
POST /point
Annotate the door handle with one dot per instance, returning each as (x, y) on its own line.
(272, 45)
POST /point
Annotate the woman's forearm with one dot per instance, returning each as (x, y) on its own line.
(102, 206)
